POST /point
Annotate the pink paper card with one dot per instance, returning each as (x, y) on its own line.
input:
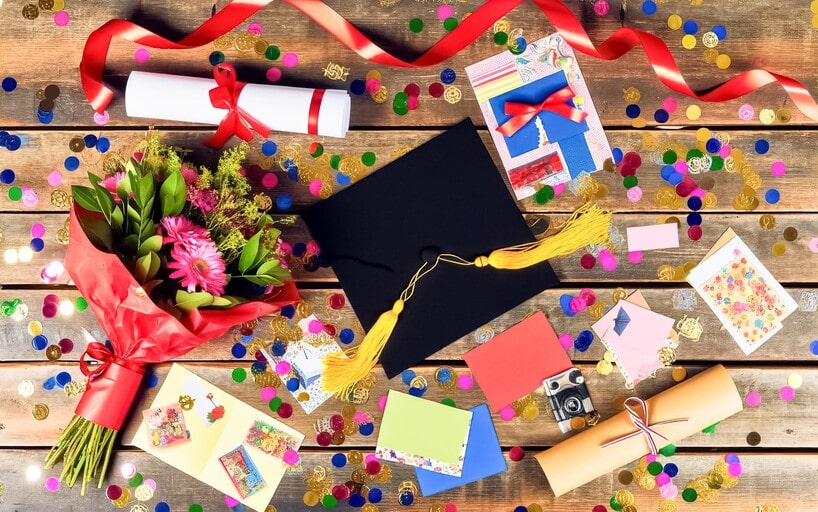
(656, 236)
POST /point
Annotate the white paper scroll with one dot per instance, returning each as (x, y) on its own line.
(187, 99)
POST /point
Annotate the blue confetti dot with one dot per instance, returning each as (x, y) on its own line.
(667, 171)
(342, 179)
(617, 155)
(62, 379)
(9, 84)
(288, 311)
(161, 507)
(45, 117)
(258, 367)
(694, 203)
(813, 347)
(375, 495)
(633, 111)
(675, 178)
(238, 350)
(37, 244)
(356, 500)
(109, 346)
(407, 375)
(279, 348)
(292, 172)
(366, 429)
(772, 196)
(90, 140)
(72, 163)
(444, 376)
(346, 335)
(406, 498)
(720, 31)
(299, 249)
(583, 340)
(762, 146)
(339, 460)
(248, 338)
(13, 143)
(39, 342)
(520, 508)
(732, 458)
(284, 202)
(50, 384)
(7, 177)
(522, 44)
(103, 144)
(153, 380)
(671, 469)
(269, 148)
(357, 87)
(661, 116)
(293, 384)
(448, 76)
(690, 27)
(565, 304)
(694, 219)
(713, 145)
(418, 392)
(649, 7)
(216, 58)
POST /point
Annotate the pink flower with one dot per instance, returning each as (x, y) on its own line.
(181, 230)
(204, 200)
(191, 176)
(110, 182)
(198, 264)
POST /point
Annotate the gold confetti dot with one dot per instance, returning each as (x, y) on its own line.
(577, 423)
(710, 39)
(723, 61)
(813, 6)
(815, 21)
(631, 95)
(53, 352)
(766, 221)
(766, 116)
(703, 134)
(790, 234)
(679, 374)
(380, 95)
(452, 94)
(710, 55)
(693, 112)
(604, 367)
(639, 122)
(624, 497)
(531, 412)
(795, 380)
(625, 477)
(784, 115)
(753, 438)
(674, 21)
(779, 249)
(39, 411)
(688, 42)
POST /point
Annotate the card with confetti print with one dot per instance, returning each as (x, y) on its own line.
(742, 293)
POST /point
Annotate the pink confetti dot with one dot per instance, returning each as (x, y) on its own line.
(813, 245)
(142, 55)
(669, 491)
(680, 166)
(230, 502)
(787, 393)
(567, 341)
(635, 257)
(273, 74)
(608, 260)
(753, 399)
(465, 381)
(315, 326)
(778, 169)
(291, 457)
(55, 178)
(412, 103)
(313, 249)
(127, 470)
(370, 458)
(372, 85)
(360, 417)
(150, 482)
(725, 151)
(61, 18)
(507, 413)
(746, 112)
(269, 180)
(29, 198)
(601, 7)
(634, 193)
(651, 458)
(662, 479)
(382, 403)
(698, 192)
(315, 187)
(578, 304)
(734, 469)
(268, 393)
(444, 12)
(52, 484)
(670, 105)
(255, 28)
(283, 368)
(37, 230)
(451, 507)
(558, 189)
(101, 119)
(290, 60)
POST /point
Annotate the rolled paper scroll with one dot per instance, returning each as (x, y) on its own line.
(672, 415)
(280, 108)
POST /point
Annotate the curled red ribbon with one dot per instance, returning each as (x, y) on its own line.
(641, 421)
(237, 121)
(474, 26)
(523, 113)
(98, 352)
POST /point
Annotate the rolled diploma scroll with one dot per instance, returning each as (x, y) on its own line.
(705, 399)
(187, 99)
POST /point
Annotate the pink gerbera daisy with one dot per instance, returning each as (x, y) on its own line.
(204, 200)
(198, 264)
(180, 229)
(110, 182)
(190, 175)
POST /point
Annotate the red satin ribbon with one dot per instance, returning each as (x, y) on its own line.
(640, 420)
(315, 109)
(523, 112)
(98, 352)
(474, 26)
(237, 121)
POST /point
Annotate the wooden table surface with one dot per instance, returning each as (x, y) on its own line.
(779, 471)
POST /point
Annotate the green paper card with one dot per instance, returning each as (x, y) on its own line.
(422, 433)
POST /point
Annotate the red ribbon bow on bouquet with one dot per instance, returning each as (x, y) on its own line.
(523, 113)
(643, 425)
(237, 121)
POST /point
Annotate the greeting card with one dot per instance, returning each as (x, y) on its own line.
(540, 114)
(239, 452)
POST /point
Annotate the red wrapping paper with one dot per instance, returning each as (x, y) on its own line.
(139, 331)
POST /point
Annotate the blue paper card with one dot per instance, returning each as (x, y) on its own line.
(484, 457)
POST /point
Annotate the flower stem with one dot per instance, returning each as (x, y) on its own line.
(83, 448)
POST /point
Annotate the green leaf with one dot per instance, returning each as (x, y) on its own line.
(249, 252)
(148, 230)
(106, 202)
(172, 194)
(133, 168)
(224, 301)
(261, 256)
(189, 301)
(85, 197)
(146, 267)
(117, 219)
(146, 190)
(267, 267)
(150, 244)
(98, 231)
(133, 180)
(94, 179)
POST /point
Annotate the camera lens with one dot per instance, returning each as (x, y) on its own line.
(572, 405)
(554, 385)
(576, 377)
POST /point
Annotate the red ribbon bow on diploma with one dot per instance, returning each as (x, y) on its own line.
(642, 423)
(237, 121)
(523, 113)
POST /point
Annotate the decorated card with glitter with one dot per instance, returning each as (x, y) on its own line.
(540, 114)
(742, 293)
(232, 446)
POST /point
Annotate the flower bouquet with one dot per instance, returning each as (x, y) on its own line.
(168, 256)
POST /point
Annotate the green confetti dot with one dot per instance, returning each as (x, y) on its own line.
(654, 468)
(690, 495)
(272, 52)
(630, 181)
(448, 401)
(716, 163)
(15, 193)
(368, 158)
(416, 25)
(669, 157)
(275, 403)
(334, 160)
(615, 504)
(317, 151)
(544, 195)
(450, 23)
(500, 38)
(668, 450)
(136, 480)
(239, 374)
(694, 153)
(329, 501)
(195, 508)
(80, 304)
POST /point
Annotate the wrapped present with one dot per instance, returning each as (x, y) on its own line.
(643, 427)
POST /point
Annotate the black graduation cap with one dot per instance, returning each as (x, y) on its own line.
(447, 198)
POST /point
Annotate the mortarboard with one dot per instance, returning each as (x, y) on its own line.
(439, 227)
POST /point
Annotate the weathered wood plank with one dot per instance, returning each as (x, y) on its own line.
(17, 233)
(45, 152)
(523, 484)
(792, 427)
(750, 43)
(790, 345)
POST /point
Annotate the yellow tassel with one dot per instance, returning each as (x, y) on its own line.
(342, 370)
(588, 225)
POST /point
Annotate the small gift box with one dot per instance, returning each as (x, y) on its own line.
(540, 115)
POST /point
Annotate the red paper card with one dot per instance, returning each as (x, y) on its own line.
(517, 361)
